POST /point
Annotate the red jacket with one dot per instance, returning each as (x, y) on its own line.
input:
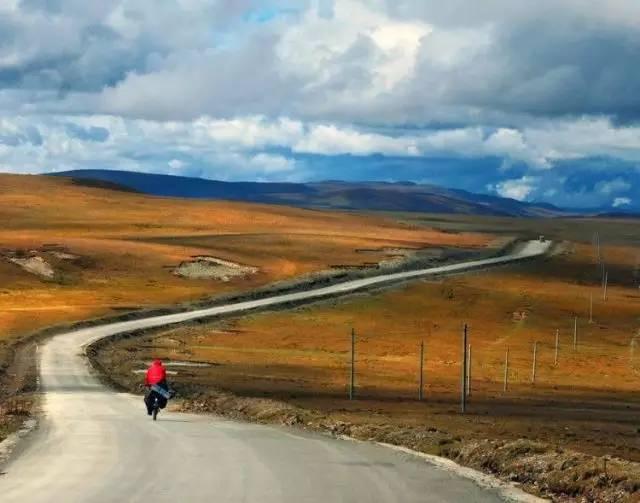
(155, 374)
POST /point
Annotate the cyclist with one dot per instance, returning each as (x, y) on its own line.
(156, 381)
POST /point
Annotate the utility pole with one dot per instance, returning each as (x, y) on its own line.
(533, 368)
(575, 333)
(555, 362)
(463, 371)
(352, 383)
(421, 380)
(506, 371)
(591, 308)
(606, 281)
(469, 370)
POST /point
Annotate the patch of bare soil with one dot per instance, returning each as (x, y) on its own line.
(34, 265)
(205, 267)
(64, 255)
(49, 262)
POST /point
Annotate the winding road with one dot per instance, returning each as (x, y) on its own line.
(95, 445)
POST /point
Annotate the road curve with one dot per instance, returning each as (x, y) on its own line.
(95, 445)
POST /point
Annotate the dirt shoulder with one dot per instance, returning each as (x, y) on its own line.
(18, 386)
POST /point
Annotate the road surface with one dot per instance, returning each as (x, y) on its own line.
(95, 445)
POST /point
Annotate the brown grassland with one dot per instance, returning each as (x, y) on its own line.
(125, 246)
(127, 243)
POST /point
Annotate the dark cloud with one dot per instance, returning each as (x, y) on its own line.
(80, 46)
(547, 59)
(567, 68)
(29, 135)
(91, 133)
(226, 83)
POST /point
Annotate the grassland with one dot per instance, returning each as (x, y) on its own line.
(585, 407)
(125, 246)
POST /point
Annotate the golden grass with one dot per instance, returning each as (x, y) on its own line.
(129, 242)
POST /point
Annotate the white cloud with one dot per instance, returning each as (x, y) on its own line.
(621, 201)
(250, 132)
(585, 137)
(203, 147)
(512, 144)
(332, 140)
(176, 165)
(518, 189)
(613, 186)
(270, 163)
(48, 142)
(320, 49)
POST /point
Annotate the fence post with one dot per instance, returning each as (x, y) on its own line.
(469, 370)
(533, 368)
(575, 333)
(421, 380)
(506, 371)
(555, 361)
(352, 382)
(463, 371)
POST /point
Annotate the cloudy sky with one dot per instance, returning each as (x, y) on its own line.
(534, 100)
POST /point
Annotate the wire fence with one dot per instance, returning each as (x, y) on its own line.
(421, 362)
(414, 366)
(561, 362)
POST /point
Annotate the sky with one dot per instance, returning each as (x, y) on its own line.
(532, 100)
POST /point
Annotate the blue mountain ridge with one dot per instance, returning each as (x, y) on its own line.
(333, 194)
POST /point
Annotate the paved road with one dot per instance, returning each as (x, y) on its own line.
(95, 445)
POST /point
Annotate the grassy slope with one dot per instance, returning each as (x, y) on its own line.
(128, 243)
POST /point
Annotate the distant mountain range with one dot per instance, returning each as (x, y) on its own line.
(383, 196)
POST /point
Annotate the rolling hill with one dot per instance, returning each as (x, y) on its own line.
(380, 196)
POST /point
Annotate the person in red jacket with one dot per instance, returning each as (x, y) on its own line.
(156, 376)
